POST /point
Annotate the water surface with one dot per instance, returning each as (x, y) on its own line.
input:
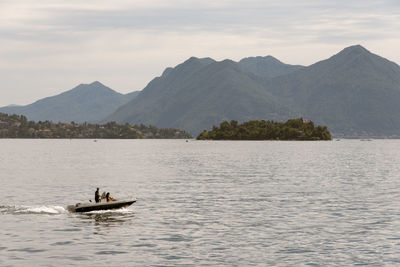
(201, 203)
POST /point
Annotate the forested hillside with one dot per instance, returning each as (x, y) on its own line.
(17, 126)
(294, 129)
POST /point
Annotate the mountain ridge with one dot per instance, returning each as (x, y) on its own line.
(354, 92)
(266, 67)
(84, 103)
(221, 86)
(346, 92)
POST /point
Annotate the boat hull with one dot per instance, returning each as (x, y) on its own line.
(86, 207)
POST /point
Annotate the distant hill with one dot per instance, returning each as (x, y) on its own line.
(266, 67)
(17, 126)
(86, 102)
(13, 105)
(200, 93)
(355, 93)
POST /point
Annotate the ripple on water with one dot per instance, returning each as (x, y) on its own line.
(28, 250)
(61, 243)
(175, 238)
(78, 258)
(68, 230)
(203, 204)
(143, 245)
(110, 252)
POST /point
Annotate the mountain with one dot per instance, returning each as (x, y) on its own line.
(86, 102)
(355, 93)
(13, 105)
(200, 93)
(266, 67)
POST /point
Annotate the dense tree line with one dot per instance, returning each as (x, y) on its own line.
(294, 129)
(17, 126)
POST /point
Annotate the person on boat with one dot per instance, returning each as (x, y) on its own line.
(103, 197)
(109, 198)
(97, 195)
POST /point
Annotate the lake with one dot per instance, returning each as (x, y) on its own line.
(201, 203)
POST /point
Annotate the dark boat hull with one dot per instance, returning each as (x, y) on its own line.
(86, 207)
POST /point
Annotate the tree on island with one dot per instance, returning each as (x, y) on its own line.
(17, 126)
(294, 129)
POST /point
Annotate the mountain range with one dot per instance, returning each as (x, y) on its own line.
(355, 93)
(86, 102)
(200, 93)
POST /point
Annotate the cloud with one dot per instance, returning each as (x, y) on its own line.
(50, 20)
(56, 44)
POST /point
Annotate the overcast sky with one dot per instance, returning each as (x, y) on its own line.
(50, 46)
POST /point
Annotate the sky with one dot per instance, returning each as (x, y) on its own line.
(50, 46)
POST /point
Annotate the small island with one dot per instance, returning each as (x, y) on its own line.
(294, 129)
(17, 126)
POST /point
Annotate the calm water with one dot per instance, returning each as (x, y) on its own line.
(201, 203)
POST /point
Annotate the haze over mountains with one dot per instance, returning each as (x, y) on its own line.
(200, 93)
(355, 93)
(86, 102)
(266, 67)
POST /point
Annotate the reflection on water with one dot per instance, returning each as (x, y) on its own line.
(103, 222)
(107, 218)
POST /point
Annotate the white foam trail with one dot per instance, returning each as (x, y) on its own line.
(33, 210)
(53, 210)
(121, 210)
(47, 209)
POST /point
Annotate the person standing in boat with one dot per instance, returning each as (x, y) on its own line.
(97, 195)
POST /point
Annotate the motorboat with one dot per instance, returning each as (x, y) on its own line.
(104, 205)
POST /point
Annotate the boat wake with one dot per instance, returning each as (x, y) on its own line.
(122, 215)
(32, 209)
(116, 211)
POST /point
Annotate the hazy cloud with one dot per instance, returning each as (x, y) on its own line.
(47, 46)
